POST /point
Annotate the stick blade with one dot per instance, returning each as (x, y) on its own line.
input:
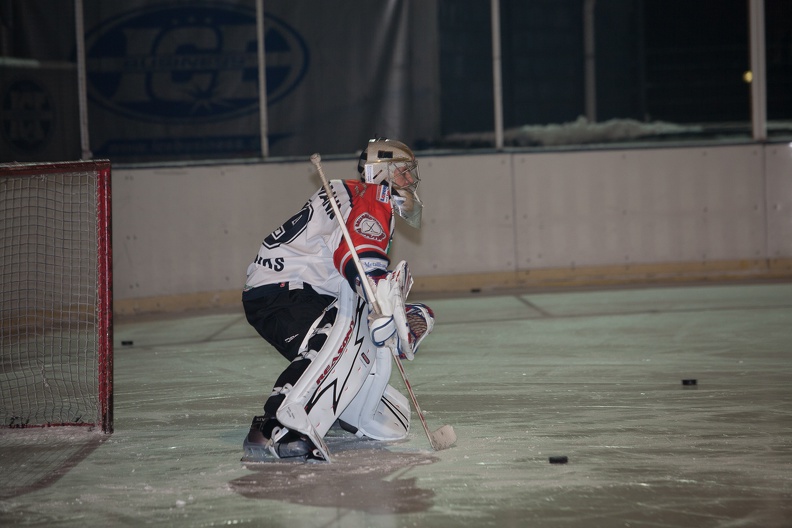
(443, 438)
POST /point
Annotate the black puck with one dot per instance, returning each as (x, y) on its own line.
(559, 460)
(689, 382)
(127, 343)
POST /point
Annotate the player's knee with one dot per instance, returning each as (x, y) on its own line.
(273, 403)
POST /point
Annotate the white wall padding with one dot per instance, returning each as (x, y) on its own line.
(778, 167)
(639, 206)
(186, 230)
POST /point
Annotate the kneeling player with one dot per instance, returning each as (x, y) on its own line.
(303, 296)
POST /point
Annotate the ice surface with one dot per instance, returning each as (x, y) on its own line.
(595, 376)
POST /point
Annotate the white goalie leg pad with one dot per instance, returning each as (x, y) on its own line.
(379, 411)
(335, 375)
(294, 417)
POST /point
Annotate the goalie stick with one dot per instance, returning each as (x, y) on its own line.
(442, 438)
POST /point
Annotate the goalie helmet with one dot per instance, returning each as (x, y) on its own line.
(392, 163)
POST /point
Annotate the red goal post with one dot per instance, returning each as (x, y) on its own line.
(56, 302)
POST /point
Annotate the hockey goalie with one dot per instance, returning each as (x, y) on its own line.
(305, 296)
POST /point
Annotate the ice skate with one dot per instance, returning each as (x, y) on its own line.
(268, 440)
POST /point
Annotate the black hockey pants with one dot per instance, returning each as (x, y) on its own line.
(283, 319)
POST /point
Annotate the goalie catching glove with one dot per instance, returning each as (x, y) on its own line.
(420, 321)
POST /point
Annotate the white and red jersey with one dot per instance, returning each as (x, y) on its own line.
(310, 247)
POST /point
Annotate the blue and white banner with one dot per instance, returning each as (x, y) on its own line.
(174, 80)
(179, 80)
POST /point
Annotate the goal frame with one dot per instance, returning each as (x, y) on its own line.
(104, 279)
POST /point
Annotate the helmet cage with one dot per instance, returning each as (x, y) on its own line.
(392, 163)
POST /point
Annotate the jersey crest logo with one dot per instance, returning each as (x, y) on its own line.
(368, 226)
(383, 194)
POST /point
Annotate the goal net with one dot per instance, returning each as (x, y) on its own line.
(56, 349)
